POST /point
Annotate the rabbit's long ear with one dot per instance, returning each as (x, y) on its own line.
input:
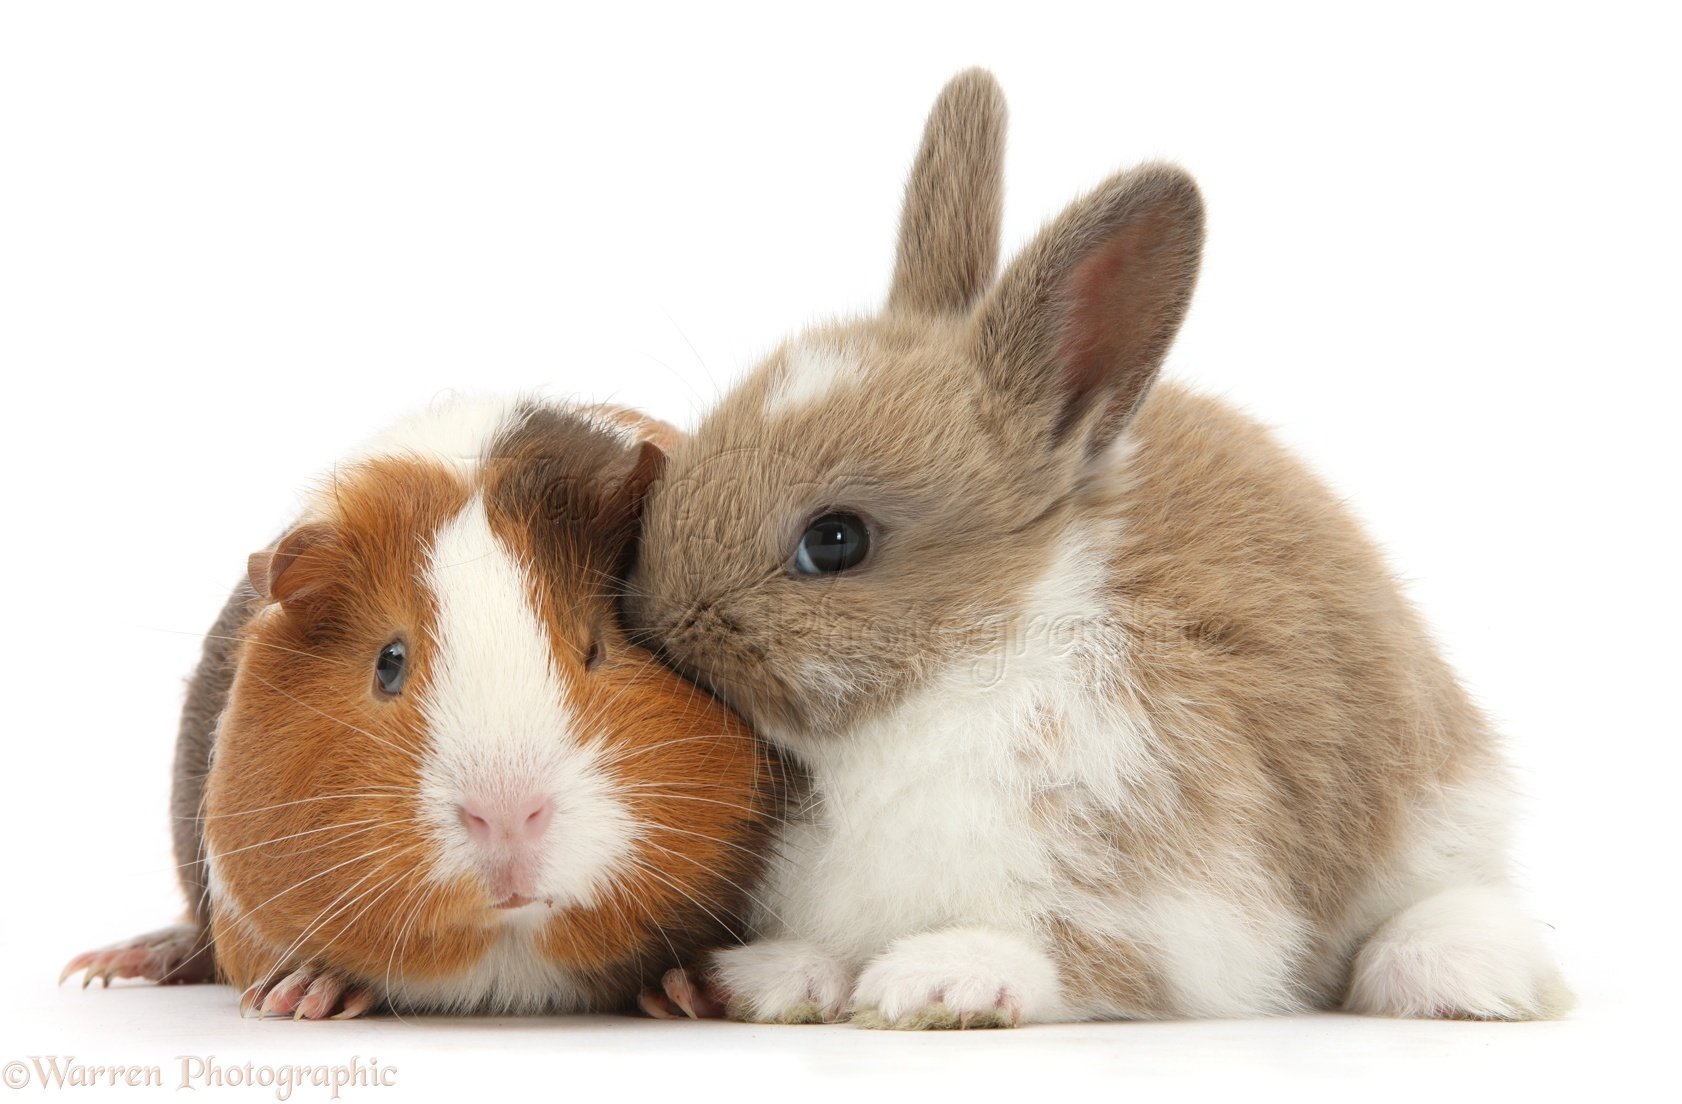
(1076, 328)
(949, 229)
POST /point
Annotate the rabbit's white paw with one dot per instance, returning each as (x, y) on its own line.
(956, 978)
(782, 981)
(1464, 954)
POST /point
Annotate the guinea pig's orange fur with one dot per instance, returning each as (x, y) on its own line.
(311, 805)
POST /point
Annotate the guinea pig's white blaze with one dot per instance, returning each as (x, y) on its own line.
(502, 741)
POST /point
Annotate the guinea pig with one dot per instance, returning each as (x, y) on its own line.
(421, 766)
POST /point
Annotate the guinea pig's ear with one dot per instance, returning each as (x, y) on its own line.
(1075, 330)
(949, 228)
(617, 493)
(632, 487)
(638, 426)
(293, 567)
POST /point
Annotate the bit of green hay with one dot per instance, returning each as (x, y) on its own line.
(932, 1017)
(808, 1013)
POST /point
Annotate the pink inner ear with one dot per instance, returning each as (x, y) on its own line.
(1119, 319)
(275, 574)
(257, 572)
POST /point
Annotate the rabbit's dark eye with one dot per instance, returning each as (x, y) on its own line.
(391, 670)
(834, 542)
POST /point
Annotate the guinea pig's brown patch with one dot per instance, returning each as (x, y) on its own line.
(310, 808)
(565, 495)
(313, 809)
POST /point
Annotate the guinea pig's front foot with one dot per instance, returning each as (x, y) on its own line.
(307, 993)
(683, 993)
(177, 955)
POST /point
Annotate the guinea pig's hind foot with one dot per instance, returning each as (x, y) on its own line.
(177, 955)
(682, 994)
(307, 993)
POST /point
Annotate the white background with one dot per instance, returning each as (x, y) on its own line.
(235, 239)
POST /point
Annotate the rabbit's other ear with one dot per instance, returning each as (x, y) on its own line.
(949, 228)
(1076, 328)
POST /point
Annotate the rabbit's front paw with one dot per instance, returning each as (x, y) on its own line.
(957, 978)
(781, 981)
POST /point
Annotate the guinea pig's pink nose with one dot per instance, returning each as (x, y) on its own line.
(490, 821)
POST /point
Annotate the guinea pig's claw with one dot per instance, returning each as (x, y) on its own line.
(80, 962)
(694, 998)
(321, 998)
(307, 993)
(98, 970)
(356, 1002)
(655, 1005)
(682, 993)
(288, 994)
(178, 953)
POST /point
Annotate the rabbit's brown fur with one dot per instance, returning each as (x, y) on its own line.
(1121, 715)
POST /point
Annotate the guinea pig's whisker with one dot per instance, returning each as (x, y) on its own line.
(405, 913)
(366, 855)
(433, 946)
(396, 791)
(315, 923)
(636, 751)
(337, 720)
(643, 909)
(679, 783)
(409, 910)
(715, 874)
(378, 891)
(335, 908)
(639, 910)
(618, 584)
(294, 835)
(248, 640)
(747, 810)
(702, 836)
(652, 871)
(336, 841)
(285, 957)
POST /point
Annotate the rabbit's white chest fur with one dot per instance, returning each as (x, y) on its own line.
(972, 803)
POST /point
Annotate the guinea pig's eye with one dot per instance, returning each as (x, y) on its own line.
(594, 654)
(834, 542)
(391, 670)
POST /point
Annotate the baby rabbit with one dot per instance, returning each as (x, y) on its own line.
(1109, 708)
(422, 767)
